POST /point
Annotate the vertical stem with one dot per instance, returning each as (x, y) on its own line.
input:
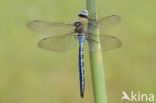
(96, 61)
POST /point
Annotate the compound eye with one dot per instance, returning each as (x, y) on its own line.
(83, 14)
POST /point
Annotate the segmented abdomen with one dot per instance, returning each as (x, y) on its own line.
(81, 64)
(81, 70)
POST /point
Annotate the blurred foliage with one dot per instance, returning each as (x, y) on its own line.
(29, 74)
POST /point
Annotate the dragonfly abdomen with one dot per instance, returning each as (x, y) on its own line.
(81, 71)
(81, 65)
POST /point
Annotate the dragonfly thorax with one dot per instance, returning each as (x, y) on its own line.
(78, 27)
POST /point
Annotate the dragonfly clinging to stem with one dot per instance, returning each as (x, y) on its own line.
(65, 36)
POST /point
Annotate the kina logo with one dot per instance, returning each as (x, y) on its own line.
(137, 97)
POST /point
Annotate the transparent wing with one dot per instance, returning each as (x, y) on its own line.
(108, 22)
(59, 43)
(107, 43)
(50, 28)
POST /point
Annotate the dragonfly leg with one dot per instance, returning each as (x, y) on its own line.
(93, 22)
(88, 37)
(75, 35)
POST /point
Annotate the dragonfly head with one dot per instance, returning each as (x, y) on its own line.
(84, 14)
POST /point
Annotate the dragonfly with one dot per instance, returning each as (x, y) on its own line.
(65, 36)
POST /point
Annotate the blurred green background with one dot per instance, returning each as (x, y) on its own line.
(29, 74)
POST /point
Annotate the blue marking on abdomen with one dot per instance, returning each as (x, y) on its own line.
(81, 65)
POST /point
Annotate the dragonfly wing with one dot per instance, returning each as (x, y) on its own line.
(107, 43)
(108, 22)
(59, 43)
(50, 28)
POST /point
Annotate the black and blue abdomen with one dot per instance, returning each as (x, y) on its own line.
(81, 65)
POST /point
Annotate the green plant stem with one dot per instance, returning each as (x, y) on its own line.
(96, 60)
